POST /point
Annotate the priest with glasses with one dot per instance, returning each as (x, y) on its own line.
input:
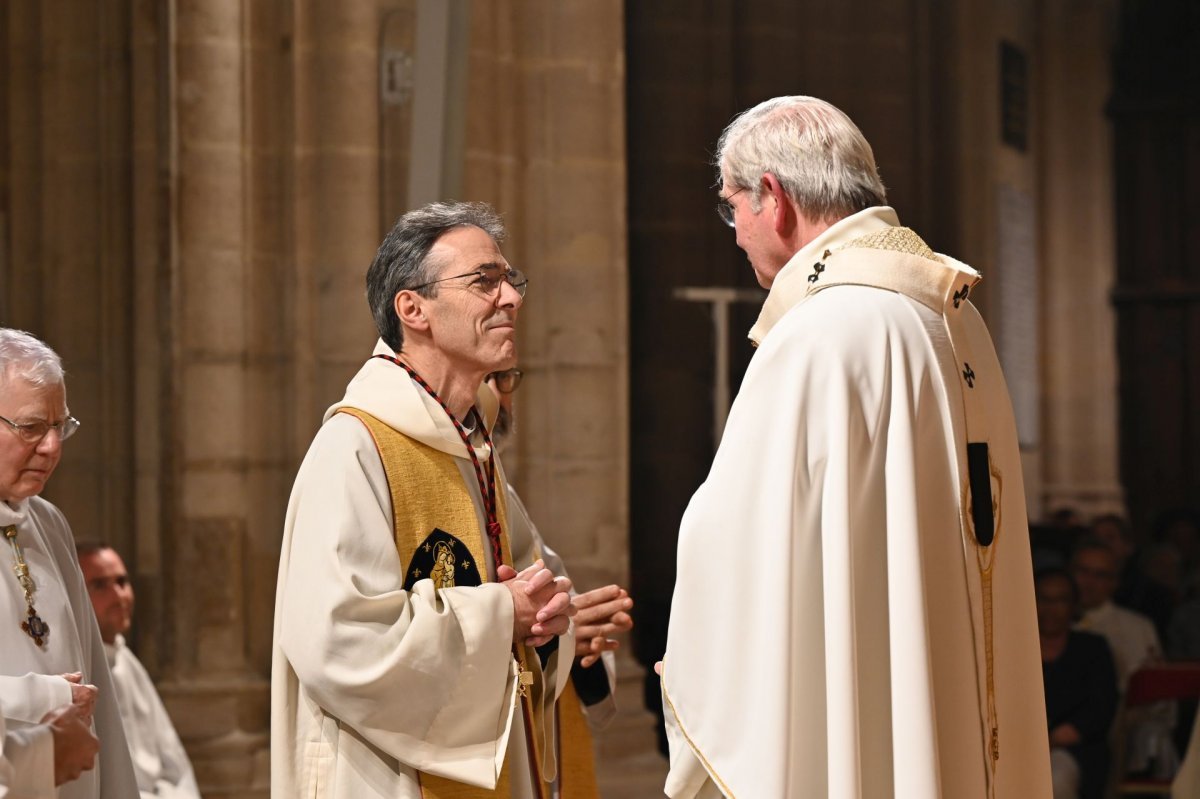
(410, 658)
(52, 659)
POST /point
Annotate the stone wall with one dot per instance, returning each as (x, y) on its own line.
(191, 191)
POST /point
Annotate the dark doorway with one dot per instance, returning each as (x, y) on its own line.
(691, 67)
(1155, 110)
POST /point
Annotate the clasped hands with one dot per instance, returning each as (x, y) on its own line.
(75, 745)
(542, 605)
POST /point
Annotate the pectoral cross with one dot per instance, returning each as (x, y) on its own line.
(35, 628)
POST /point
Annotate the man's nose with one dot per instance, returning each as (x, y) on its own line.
(50, 443)
(509, 296)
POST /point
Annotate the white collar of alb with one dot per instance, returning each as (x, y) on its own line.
(13, 512)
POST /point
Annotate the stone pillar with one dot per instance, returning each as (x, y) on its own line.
(336, 227)
(218, 699)
(994, 183)
(66, 120)
(1079, 247)
(545, 144)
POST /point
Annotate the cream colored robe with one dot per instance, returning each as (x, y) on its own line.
(602, 712)
(827, 632)
(159, 760)
(73, 644)
(370, 682)
(26, 760)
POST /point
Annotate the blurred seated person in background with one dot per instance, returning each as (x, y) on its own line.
(1130, 635)
(1081, 691)
(159, 760)
(1180, 527)
(1135, 590)
(1183, 634)
(1146, 730)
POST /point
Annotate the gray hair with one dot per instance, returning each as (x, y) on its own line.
(818, 155)
(403, 259)
(26, 358)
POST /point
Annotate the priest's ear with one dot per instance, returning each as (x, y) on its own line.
(410, 310)
(779, 204)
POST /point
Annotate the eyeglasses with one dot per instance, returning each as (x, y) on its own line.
(34, 432)
(506, 381)
(487, 279)
(725, 208)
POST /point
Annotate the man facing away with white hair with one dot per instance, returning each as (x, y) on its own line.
(854, 611)
(50, 638)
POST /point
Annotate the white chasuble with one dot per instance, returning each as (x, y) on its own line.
(839, 627)
(374, 683)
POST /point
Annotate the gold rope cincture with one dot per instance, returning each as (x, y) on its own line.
(978, 437)
(978, 433)
(33, 625)
(906, 241)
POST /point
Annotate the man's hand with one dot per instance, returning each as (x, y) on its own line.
(83, 695)
(601, 612)
(542, 605)
(75, 746)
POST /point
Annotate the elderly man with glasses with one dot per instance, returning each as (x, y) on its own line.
(52, 655)
(410, 658)
(854, 611)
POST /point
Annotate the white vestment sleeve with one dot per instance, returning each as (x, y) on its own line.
(29, 698)
(528, 545)
(114, 768)
(26, 762)
(426, 676)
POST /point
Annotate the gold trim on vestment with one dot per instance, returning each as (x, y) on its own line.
(893, 239)
(577, 769)
(414, 473)
(712, 772)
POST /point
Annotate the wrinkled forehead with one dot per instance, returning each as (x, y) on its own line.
(20, 396)
(464, 249)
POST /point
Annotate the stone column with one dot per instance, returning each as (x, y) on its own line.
(545, 144)
(336, 226)
(66, 139)
(1081, 468)
(994, 183)
(218, 699)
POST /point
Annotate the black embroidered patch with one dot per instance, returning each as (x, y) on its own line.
(979, 474)
(444, 559)
(960, 296)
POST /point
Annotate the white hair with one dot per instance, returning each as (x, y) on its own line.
(26, 358)
(819, 156)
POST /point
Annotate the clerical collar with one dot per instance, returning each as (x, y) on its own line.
(13, 512)
(791, 284)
